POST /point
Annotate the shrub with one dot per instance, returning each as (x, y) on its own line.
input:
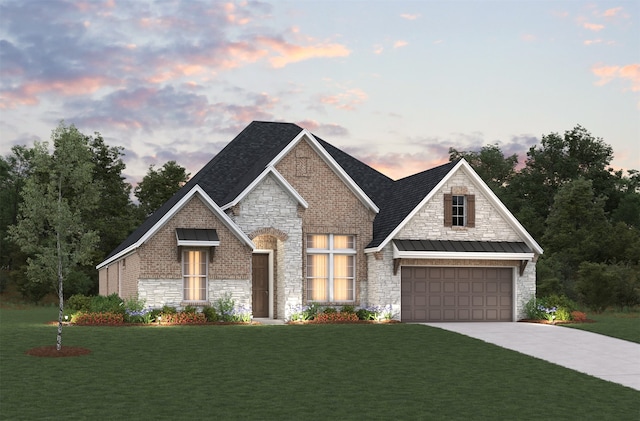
(563, 313)
(166, 309)
(99, 318)
(595, 285)
(78, 302)
(183, 318)
(210, 314)
(224, 306)
(335, 318)
(107, 304)
(329, 310)
(190, 309)
(578, 316)
(348, 309)
(534, 309)
(365, 314)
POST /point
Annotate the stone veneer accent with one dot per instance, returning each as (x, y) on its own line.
(160, 292)
(384, 285)
(269, 209)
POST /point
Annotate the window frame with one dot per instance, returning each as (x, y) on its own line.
(469, 211)
(205, 261)
(331, 252)
(457, 219)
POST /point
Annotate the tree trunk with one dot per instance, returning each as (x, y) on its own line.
(60, 277)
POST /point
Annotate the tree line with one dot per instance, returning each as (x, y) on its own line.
(585, 215)
(67, 205)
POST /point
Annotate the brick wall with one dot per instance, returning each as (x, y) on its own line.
(333, 207)
(159, 255)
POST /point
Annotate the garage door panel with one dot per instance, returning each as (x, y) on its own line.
(456, 294)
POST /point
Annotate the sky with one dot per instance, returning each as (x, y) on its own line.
(393, 83)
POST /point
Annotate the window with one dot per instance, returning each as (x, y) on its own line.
(194, 275)
(330, 267)
(459, 210)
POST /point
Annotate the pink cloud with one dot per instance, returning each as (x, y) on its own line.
(609, 13)
(593, 26)
(409, 16)
(292, 53)
(630, 72)
(347, 100)
(400, 165)
(28, 93)
(592, 41)
(400, 44)
(528, 37)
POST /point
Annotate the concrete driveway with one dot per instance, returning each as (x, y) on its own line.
(600, 356)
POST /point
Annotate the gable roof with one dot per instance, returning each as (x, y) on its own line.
(402, 199)
(420, 188)
(244, 162)
(170, 208)
(252, 155)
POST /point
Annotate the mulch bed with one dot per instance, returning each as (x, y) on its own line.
(51, 351)
(557, 322)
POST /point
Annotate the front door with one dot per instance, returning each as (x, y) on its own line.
(260, 285)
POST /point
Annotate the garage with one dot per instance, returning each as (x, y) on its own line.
(456, 294)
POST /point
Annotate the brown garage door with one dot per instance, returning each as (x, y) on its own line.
(452, 294)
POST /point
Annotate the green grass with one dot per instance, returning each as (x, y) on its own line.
(343, 372)
(615, 324)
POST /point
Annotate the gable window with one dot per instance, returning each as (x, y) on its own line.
(330, 267)
(194, 275)
(459, 210)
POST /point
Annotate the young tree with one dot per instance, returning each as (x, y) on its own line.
(159, 185)
(58, 196)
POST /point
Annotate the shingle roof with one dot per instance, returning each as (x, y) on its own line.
(233, 169)
(403, 197)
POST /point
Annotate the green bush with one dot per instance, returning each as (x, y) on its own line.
(329, 310)
(225, 307)
(190, 309)
(210, 314)
(107, 304)
(166, 309)
(348, 309)
(78, 302)
(365, 314)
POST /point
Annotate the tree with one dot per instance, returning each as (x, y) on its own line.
(554, 163)
(575, 226)
(14, 170)
(58, 196)
(491, 165)
(159, 185)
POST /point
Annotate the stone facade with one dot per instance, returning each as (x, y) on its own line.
(428, 222)
(270, 211)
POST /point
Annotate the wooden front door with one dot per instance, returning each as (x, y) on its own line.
(260, 285)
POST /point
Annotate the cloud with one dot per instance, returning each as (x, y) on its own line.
(400, 44)
(409, 16)
(609, 13)
(630, 72)
(292, 53)
(528, 37)
(593, 26)
(346, 100)
(378, 49)
(326, 129)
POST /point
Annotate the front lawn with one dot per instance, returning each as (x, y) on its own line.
(615, 324)
(343, 372)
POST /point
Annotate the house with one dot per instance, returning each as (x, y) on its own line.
(280, 218)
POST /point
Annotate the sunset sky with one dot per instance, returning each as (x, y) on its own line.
(393, 83)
